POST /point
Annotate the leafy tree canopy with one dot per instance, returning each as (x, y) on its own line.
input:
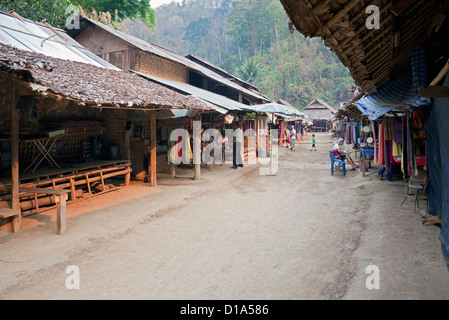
(251, 39)
(132, 9)
(56, 11)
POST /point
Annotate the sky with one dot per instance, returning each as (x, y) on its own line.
(156, 3)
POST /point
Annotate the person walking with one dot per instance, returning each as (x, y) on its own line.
(236, 147)
(287, 137)
(292, 138)
(313, 143)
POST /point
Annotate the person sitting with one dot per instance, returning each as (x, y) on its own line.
(341, 154)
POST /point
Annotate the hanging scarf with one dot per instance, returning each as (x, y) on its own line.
(409, 145)
(354, 135)
(381, 144)
(375, 143)
(398, 130)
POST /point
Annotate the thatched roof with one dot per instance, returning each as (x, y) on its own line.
(319, 110)
(89, 85)
(374, 57)
(156, 50)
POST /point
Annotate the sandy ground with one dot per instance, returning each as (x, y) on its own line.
(235, 234)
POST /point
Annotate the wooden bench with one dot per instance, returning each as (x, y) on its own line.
(7, 212)
(60, 199)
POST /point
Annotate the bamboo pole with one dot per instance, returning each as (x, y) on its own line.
(14, 130)
(197, 146)
(127, 155)
(152, 169)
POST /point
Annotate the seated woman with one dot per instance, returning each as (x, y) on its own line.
(340, 154)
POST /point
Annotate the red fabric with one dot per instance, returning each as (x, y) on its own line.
(180, 149)
(381, 158)
(336, 153)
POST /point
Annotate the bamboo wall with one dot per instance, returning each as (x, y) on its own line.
(152, 64)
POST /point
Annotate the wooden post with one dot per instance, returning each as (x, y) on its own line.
(242, 144)
(197, 146)
(88, 184)
(363, 165)
(72, 188)
(256, 126)
(127, 155)
(173, 170)
(152, 168)
(61, 213)
(14, 129)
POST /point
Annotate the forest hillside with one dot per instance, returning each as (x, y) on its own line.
(251, 39)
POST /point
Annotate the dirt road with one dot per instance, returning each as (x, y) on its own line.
(236, 234)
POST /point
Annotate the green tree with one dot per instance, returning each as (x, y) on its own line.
(132, 9)
(249, 69)
(54, 11)
(195, 33)
(230, 34)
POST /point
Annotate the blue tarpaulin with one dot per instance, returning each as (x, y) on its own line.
(436, 122)
(401, 93)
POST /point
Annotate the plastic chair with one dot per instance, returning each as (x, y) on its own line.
(336, 161)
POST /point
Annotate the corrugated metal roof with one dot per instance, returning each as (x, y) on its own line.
(219, 103)
(38, 37)
(277, 108)
(154, 49)
(232, 78)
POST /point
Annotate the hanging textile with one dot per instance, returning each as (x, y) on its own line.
(250, 127)
(389, 129)
(180, 150)
(347, 134)
(413, 166)
(402, 91)
(389, 158)
(404, 148)
(375, 143)
(398, 130)
(397, 149)
(418, 126)
(381, 144)
(409, 145)
(354, 134)
(281, 130)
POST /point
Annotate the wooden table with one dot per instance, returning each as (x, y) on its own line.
(60, 199)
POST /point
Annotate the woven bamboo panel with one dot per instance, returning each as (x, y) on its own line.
(66, 150)
(4, 106)
(161, 67)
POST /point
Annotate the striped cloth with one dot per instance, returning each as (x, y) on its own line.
(400, 93)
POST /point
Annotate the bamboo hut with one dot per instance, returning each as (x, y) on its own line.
(54, 113)
(321, 114)
(225, 94)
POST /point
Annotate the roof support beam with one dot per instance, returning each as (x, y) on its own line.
(407, 51)
(434, 92)
(351, 4)
(401, 6)
(320, 7)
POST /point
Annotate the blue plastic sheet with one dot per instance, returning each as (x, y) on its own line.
(400, 93)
